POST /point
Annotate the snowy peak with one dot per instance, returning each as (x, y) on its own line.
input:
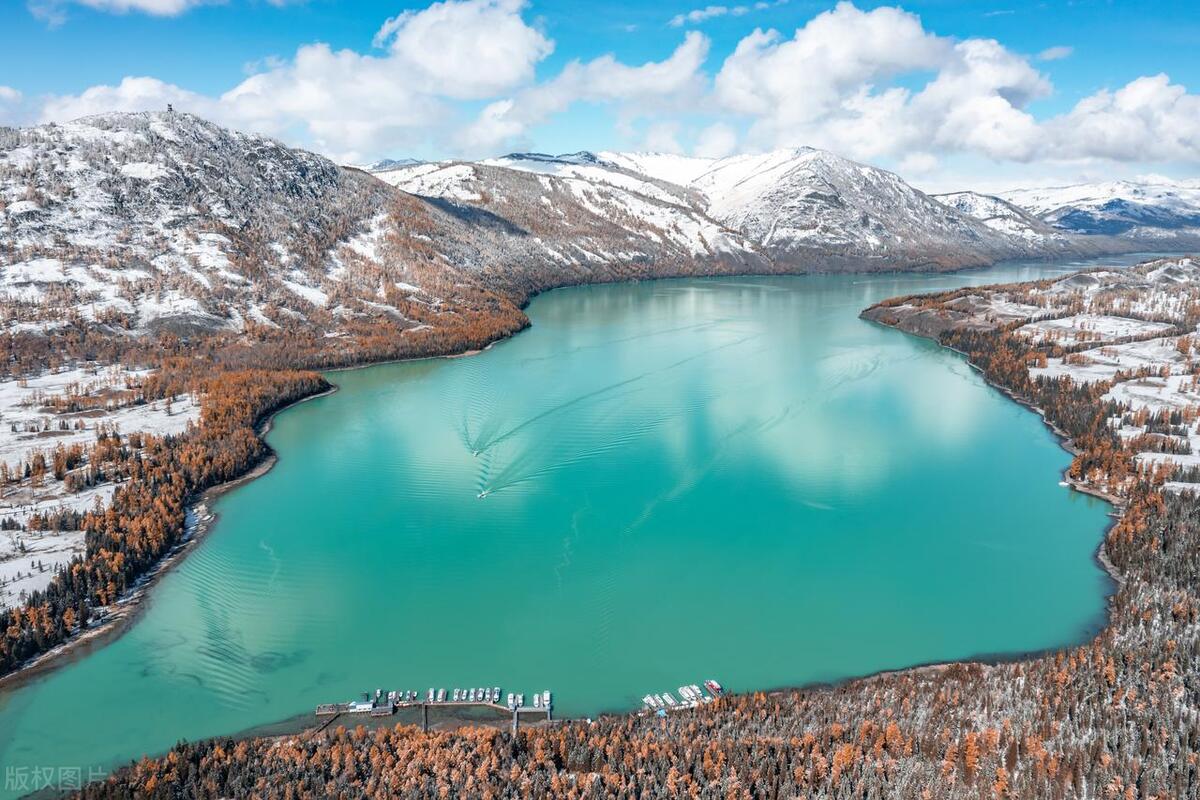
(811, 207)
(807, 208)
(130, 223)
(583, 216)
(385, 164)
(677, 169)
(999, 215)
(1121, 208)
(530, 160)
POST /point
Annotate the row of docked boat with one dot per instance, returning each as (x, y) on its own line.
(690, 696)
(480, 695)
(381, 704)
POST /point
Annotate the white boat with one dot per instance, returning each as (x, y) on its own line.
(511, 700)
(456, 695)
(496, 695)
(537, 700)
(441, 695)
(546, 698)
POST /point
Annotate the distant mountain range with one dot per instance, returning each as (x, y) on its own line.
(804, 209)
(127, 223)
(1164, 210)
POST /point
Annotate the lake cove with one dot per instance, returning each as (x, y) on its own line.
(657, 483)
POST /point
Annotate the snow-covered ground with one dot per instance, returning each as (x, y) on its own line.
(1116, 207)
(28, 560)
(1152, 374)
(28, 424)
(1103, 363)
(1081, 328)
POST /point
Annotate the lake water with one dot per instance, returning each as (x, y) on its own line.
(727, 478)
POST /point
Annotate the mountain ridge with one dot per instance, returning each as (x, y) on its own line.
(130, 225)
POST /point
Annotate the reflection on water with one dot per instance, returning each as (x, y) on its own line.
(657, 483)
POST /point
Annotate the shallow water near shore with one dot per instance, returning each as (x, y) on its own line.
(657, 483)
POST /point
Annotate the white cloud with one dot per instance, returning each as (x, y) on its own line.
(699, 15)
(870, 84)
(1148, 119)
(352, 105)
(656, 86)
(977, 103)
(465, 49)
(663, 137)
(1056, 53)
(716, 141)
(844, 81)
(131, 94)
(805, 78)
(10, 105)
(54, 11)
(918, 164)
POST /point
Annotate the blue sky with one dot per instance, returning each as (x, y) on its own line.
(196, 52)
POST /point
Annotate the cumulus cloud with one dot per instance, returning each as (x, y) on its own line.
(871, 84)
(350, 104)
(698, 15)
(131, 94)
(465, 49)
(663, 137)
(657, 85)
(805, 78)
(845, 81)
(1148, 119)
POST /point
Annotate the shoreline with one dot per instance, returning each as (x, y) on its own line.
(1100, 556)
(126, 610)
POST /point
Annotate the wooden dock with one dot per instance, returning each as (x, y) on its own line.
(335, 710)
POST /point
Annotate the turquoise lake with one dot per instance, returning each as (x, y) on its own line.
(726, 478)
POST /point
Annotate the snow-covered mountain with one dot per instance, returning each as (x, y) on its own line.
(573, 221)
(810, 209)
(1000, 215)
(127, 224)
(810, 205)
(1164, 210)
(130, 223)
(388, 163)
